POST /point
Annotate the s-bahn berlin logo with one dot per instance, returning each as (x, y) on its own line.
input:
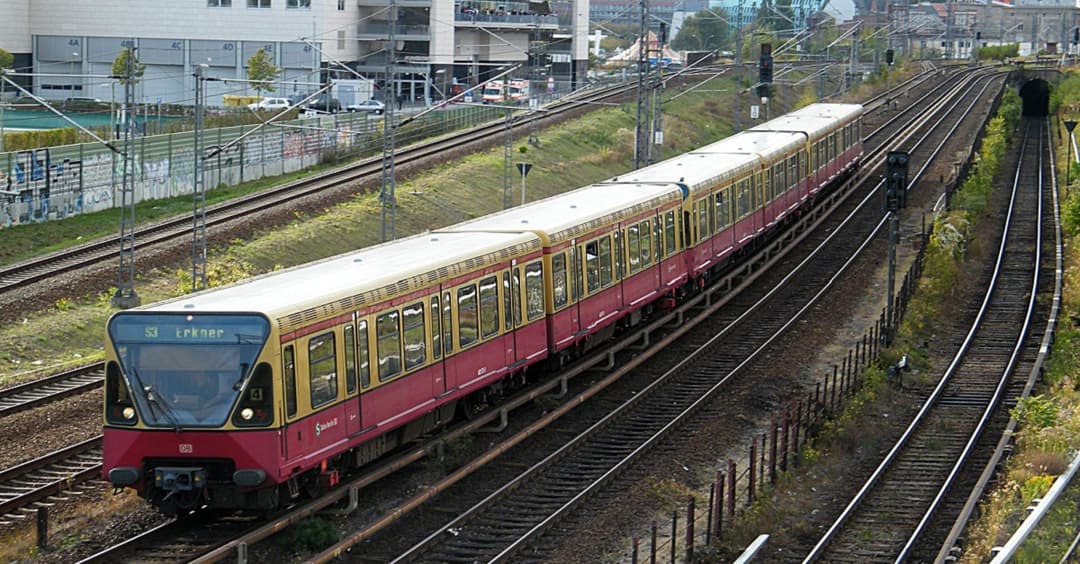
(320, 427)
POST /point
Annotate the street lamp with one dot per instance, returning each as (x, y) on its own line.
(1069, 125)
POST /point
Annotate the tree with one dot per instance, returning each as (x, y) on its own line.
(120, 64)
(703, 31)
(262, 72)
(6, 59)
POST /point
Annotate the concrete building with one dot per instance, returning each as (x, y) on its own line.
(437, 42)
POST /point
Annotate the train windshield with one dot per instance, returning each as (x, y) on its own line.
(190, 368)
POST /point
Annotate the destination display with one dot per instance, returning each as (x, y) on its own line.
(189, 328)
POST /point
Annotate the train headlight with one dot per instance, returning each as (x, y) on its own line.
(247, 414)
(129, 413)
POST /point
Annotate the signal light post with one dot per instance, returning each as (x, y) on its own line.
(895, 199)
(1069, 125)
(765, 75)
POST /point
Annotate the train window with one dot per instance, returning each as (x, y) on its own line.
(712, 216)
(620, 257)
(558, 280)
(436, 332)
(592, 265)
(633, 247)
(515, 294)
(447, 324)
(606, 274)
(489, 306)
(703, 220)
(802, 163)
(646, 243)
(793, 170)
(754, 198)
(363, 353)
(534, 290)
(412, 333)
(288, 368)
(322, 369)
(388, 344)
(744, 199)
(350, 360)
(575, 274)
(721, 211)
(770, 192)
(508, 308)
(669, 233)
(468, 325)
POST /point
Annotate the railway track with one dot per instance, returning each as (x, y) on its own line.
(908, 490)
(23, 486)
(51, 388)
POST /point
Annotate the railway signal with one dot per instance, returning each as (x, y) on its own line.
(896, 165)
(765, 64)
(889, 54)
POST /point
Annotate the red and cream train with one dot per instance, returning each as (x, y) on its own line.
(250, 395)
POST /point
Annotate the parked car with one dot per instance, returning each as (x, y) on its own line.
(272, 104)
(371, 106)
(82, 103)
(324, 103)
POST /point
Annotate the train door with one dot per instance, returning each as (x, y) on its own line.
(288, 373)
(509, 337)
(576, 285)
(438, 367)
(352, 334)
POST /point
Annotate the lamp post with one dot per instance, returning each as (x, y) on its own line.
(1070, 125)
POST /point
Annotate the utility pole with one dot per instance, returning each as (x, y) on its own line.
(658, 95)
(641, 137)
(125, 296)
(386, 194)
(198, 231)
(508, 150)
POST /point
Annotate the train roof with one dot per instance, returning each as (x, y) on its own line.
(571, 214)
(349, 281)
(814, 120)
(698, 171)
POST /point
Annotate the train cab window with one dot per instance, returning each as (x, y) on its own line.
(364, 354)
(350, 360)
(489, 306)
(534, 290)
(605, 261)
(633, 248)
(703, 220)
(388, 344)
(412, 333)
(447, 324)
(793, 171)
(669, 233)
(288, 369)
(592, 266)
(322, 369)
(558, 280)
(468, 324)
(508, 308)
(515, 296)
(646, 243)
(436, 332)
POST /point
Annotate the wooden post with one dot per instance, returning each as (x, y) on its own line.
(750, 490)
(709, 515)
(795, 437)
(784, 421)
(633, 555)
(690, 530)
(832, 398)
(761, 473)
(43, 527)
(731, 488)
(772, 453)
(652, 547)
(674, 533)
(718, 501)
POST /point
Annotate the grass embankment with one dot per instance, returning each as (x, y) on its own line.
(1049, 432)
(857, 432)
(591, 148)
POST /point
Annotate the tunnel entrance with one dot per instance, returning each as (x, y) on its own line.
(1036, 96)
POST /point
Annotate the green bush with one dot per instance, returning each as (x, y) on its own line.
(312, 534)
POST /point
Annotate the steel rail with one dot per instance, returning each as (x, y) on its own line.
(49, 475)
(990, 469)
(921, 416)
(51, 388)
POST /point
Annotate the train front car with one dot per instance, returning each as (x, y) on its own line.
(173, 381)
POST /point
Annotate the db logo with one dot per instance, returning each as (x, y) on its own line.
(186, 449)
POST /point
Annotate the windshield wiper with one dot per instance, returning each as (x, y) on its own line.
(148, 393)
(243, 376)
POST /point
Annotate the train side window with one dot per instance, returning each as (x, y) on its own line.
(412, 332)
(620, 256)
(670, 232)
(388, 344)
(802, 163)
(592, 265)
(712, 217)
(508, 308)
(793, 170)
(633, 247)
(721, 216)
(646, 243)
(558, 280)
(770, 191)
(534, 290)
(489, 306)
(350, 360)
(447, 323)
(288, 369)
(322, 369)
(605, 261)
(703, 220)
(576, 283)
(364, 353)
(468, 324)
(436, 333)
(744, 199)
(754, 203)
(516, 296)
